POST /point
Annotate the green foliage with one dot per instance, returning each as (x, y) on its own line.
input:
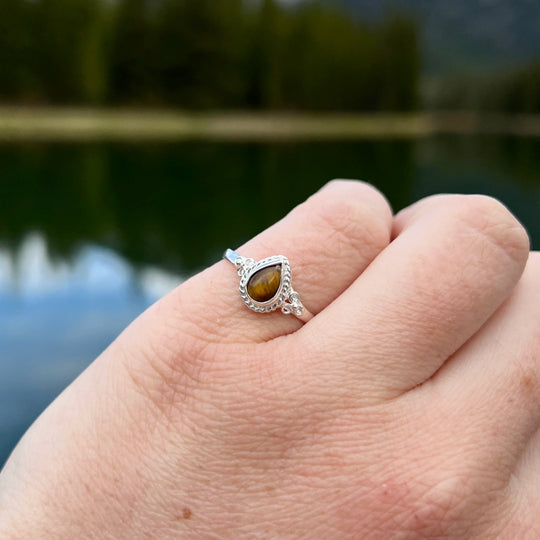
(513, 92)
(205, 54)
(15, 43)
(266, 57)
(329, 62)
(518, 91)
(399, 84)
(131, 68)
(319, 59)
(198, 52)
(66, 42)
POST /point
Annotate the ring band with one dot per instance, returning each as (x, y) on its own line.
(265, 285)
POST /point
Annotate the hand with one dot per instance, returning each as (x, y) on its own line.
(409, 407)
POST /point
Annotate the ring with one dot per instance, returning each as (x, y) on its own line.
(265, 285)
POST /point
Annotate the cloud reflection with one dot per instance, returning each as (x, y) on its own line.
(31, 272)
(56, 316)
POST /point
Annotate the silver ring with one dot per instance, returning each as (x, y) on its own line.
(265, 285)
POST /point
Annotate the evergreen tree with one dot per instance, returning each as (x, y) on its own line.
(400, 69)
(64, 34)
(15, 43)
(215, 54)
(266, 57)
(93, 55)
(131, 53)
(199, 52)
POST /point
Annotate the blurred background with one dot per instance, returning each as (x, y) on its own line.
(140, 138)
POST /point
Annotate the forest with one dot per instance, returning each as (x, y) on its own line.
(205, 54)
(512, 91)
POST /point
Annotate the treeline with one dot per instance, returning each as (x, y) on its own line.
(205, 54)
(515, 91)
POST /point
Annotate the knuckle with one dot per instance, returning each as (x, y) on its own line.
(352, 223)
(344, 183)
(443, 509)
(495, 224)
(442, 503)
(435, 507)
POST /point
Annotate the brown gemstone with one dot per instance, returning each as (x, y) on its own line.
(264, 284)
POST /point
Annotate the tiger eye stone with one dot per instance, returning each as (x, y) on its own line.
(264, 284)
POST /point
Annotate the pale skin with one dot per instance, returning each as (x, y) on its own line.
(409, 407)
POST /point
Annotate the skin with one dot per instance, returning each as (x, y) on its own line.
(409, 407)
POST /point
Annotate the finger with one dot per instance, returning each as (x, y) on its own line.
(329, 240)
(494, 380)
(453, 262)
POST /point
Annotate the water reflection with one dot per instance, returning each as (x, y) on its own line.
(91, 234)
(31, 273)
(176, 205)
(56, 316)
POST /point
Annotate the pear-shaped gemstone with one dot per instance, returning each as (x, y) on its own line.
(264, 284)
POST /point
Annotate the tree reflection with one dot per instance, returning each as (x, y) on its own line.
(177, 205)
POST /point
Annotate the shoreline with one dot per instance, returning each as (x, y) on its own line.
(99, 124)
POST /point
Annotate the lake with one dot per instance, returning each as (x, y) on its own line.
(92, 233)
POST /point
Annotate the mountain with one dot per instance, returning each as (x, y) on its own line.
(465, 36)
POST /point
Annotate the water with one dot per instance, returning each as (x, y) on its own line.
(91, 234)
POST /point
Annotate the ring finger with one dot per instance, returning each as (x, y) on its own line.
(329, 240)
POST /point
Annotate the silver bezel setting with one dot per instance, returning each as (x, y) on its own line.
(286, 298)
(283, 292)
